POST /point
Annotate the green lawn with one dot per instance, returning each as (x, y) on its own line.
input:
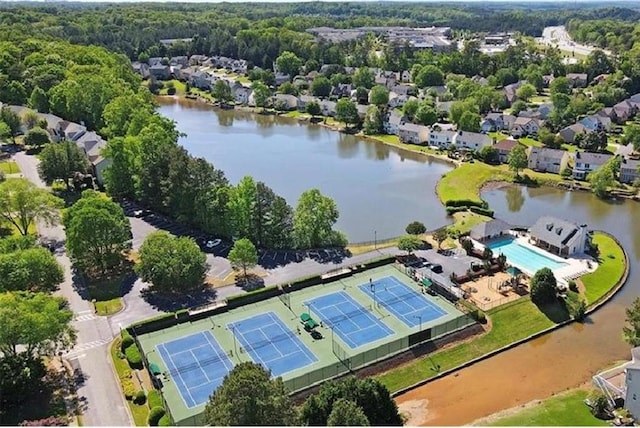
(9, 167)
(567, 409)
(465, 181)
(610, 270)
(511, 322)
(530, 142)
(180, 87)
(467, 220)
(140, 412)
(394, 140)
(107, 295)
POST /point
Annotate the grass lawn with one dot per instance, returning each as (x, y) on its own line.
(140, 412)
(180, 87)
(394, 140)
(511, 322)
(9, 167)
(567, 409)
(498, 136)
(465, 181)
(610, 270)
(107, 295)
(356, 249)
(466, 220)
(530, 142)
(296, 114)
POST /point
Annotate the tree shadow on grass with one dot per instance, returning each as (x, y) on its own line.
(171, 302)
(556, 311)
(249, 282)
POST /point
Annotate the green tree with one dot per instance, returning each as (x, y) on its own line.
(373, 120)
(560, 85)
(347, 413)
(632, 136)
(61, 161)
(410, 108)
(98, 233)
(39, 100)
(526, 91)
(602, 179)
(288, 63)
(469, 122)
(429, 75)
(440, 236)
(517, 159)
(368, 394)
(222, 92)
(261, 94)
(458, 108)
(33, 269)
(415, 228)
(171, 263)
(410, 243)
(426, 114)
(249, 396)
(288, 88)
(631, 331)
(347, 112)
(5, 132)
(363, 77)
(36, 137)
(379, 96)
(243, 255)
(321, 86)
(313, 108)
(517, 107)
(467, 245)
(12, 120)
(30, 119)
(489, 154)
(34, 324)
(241, 206)
(120, 176)
(313, 219)
(22, 203)
(543, 286)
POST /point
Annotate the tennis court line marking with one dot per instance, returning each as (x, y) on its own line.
(179, 376)
(295, 342)
(199, 365)
(223, 357)
(429, 302)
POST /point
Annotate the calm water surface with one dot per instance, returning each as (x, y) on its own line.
(563, 359)
(376, 187)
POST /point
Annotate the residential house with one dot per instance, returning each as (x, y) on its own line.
(624, 110)
(304, 100)
(160, 72)
(524, 126)
(561, 237)
(92, 145)
(444, 106)
(70, 131)
(197, 59)
(285, 101)
(547, 160)
(397, 101)
(441, 138)
(403, 89)
(141, 68)
(510, 91)
(412, 133)
(179, 60)
(504, 147)
(599, 79)
(155, 61)
(176, 71)
(281, 78)
(629, 170)
(609, 113)
(342, 90)
(595, 123)
(405, 76)
(328, 108)
(547, 79)
(545, 110)
(493, 122)
(577, 80)
(201, 80)
(622, 382)
(585, 163)
(241, 93)
(53, 125)
(392, 121)
(569, 133)
(480, 80)
(362, 110)
(471, 140)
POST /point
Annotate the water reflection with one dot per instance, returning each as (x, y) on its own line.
(515, 198)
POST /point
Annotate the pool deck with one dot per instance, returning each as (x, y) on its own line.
(574, 266)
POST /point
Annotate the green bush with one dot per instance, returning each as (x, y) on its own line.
(573, 286)
(127, 341)
(155, 414)
(165, 421)
(171, 91)
(466, 203)
(154, 399)
(133, 357)
(482, 211)
(126, 374)
(128, 388)
(453, 210)
(139, 397)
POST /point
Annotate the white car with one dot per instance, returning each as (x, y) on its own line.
(213, 243)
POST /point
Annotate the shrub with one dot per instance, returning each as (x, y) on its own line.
(155, 414)
(573, 286)
(466, 203)
(154, 399)
(128, 388)
(171, 91)
(126, 374)
(127, 341)
(133, 357)
(140, 397)
(165, 421)
(51, 421)
(482, 211)
(453, 210)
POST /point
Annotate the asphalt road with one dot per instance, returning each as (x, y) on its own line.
(558, 36)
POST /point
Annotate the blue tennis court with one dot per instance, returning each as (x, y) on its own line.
(271, 343)
(197, 364)
(355, 325)
(409, 306)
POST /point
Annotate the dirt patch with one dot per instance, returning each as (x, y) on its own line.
(490, 291)
(494, 185)
(415, 411)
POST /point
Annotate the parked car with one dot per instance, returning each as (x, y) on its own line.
(436, 268)
(213, 243)
(141, 213)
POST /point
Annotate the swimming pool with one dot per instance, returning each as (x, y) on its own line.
(526, 259)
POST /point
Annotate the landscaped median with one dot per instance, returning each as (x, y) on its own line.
(514, 323)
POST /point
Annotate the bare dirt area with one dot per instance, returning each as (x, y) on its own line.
(490, 291)
(415, 411)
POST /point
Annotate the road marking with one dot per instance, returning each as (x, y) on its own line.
(86, 346)
(88, 311)
(87, 317)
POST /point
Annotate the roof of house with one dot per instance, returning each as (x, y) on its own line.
(506, 144)
(473, 137)
(632, 164)
(575, 76)
(395, 118)
(520, 120)
(576, 128)
(554, 231)
(593, 158)
(548, 153)
(448, 133)
(492, 227)
(412, 127)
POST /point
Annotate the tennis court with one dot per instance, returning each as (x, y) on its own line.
(355, 325)
(409, 306)
(197, 364)
(271, 343)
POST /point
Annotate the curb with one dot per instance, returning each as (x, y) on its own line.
(593, 308)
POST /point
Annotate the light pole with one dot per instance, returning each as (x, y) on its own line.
(233, 333)
(419, 319)
(375, 239)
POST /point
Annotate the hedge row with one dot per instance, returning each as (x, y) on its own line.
(153, 324)
(133, 357)
(453, 210)
(155, 414)
(466, 203)
(154, 399)
(482, 211)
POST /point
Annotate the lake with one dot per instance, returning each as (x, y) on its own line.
(378, 188)
(566, 358)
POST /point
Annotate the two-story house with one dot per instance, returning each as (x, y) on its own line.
(471, 140)
(392, 121)
(547, 160)
(504, 147)
(569, 133)
(412, 133)
(441, 138)
(585, 163)
(629, 170)
(524, 126)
